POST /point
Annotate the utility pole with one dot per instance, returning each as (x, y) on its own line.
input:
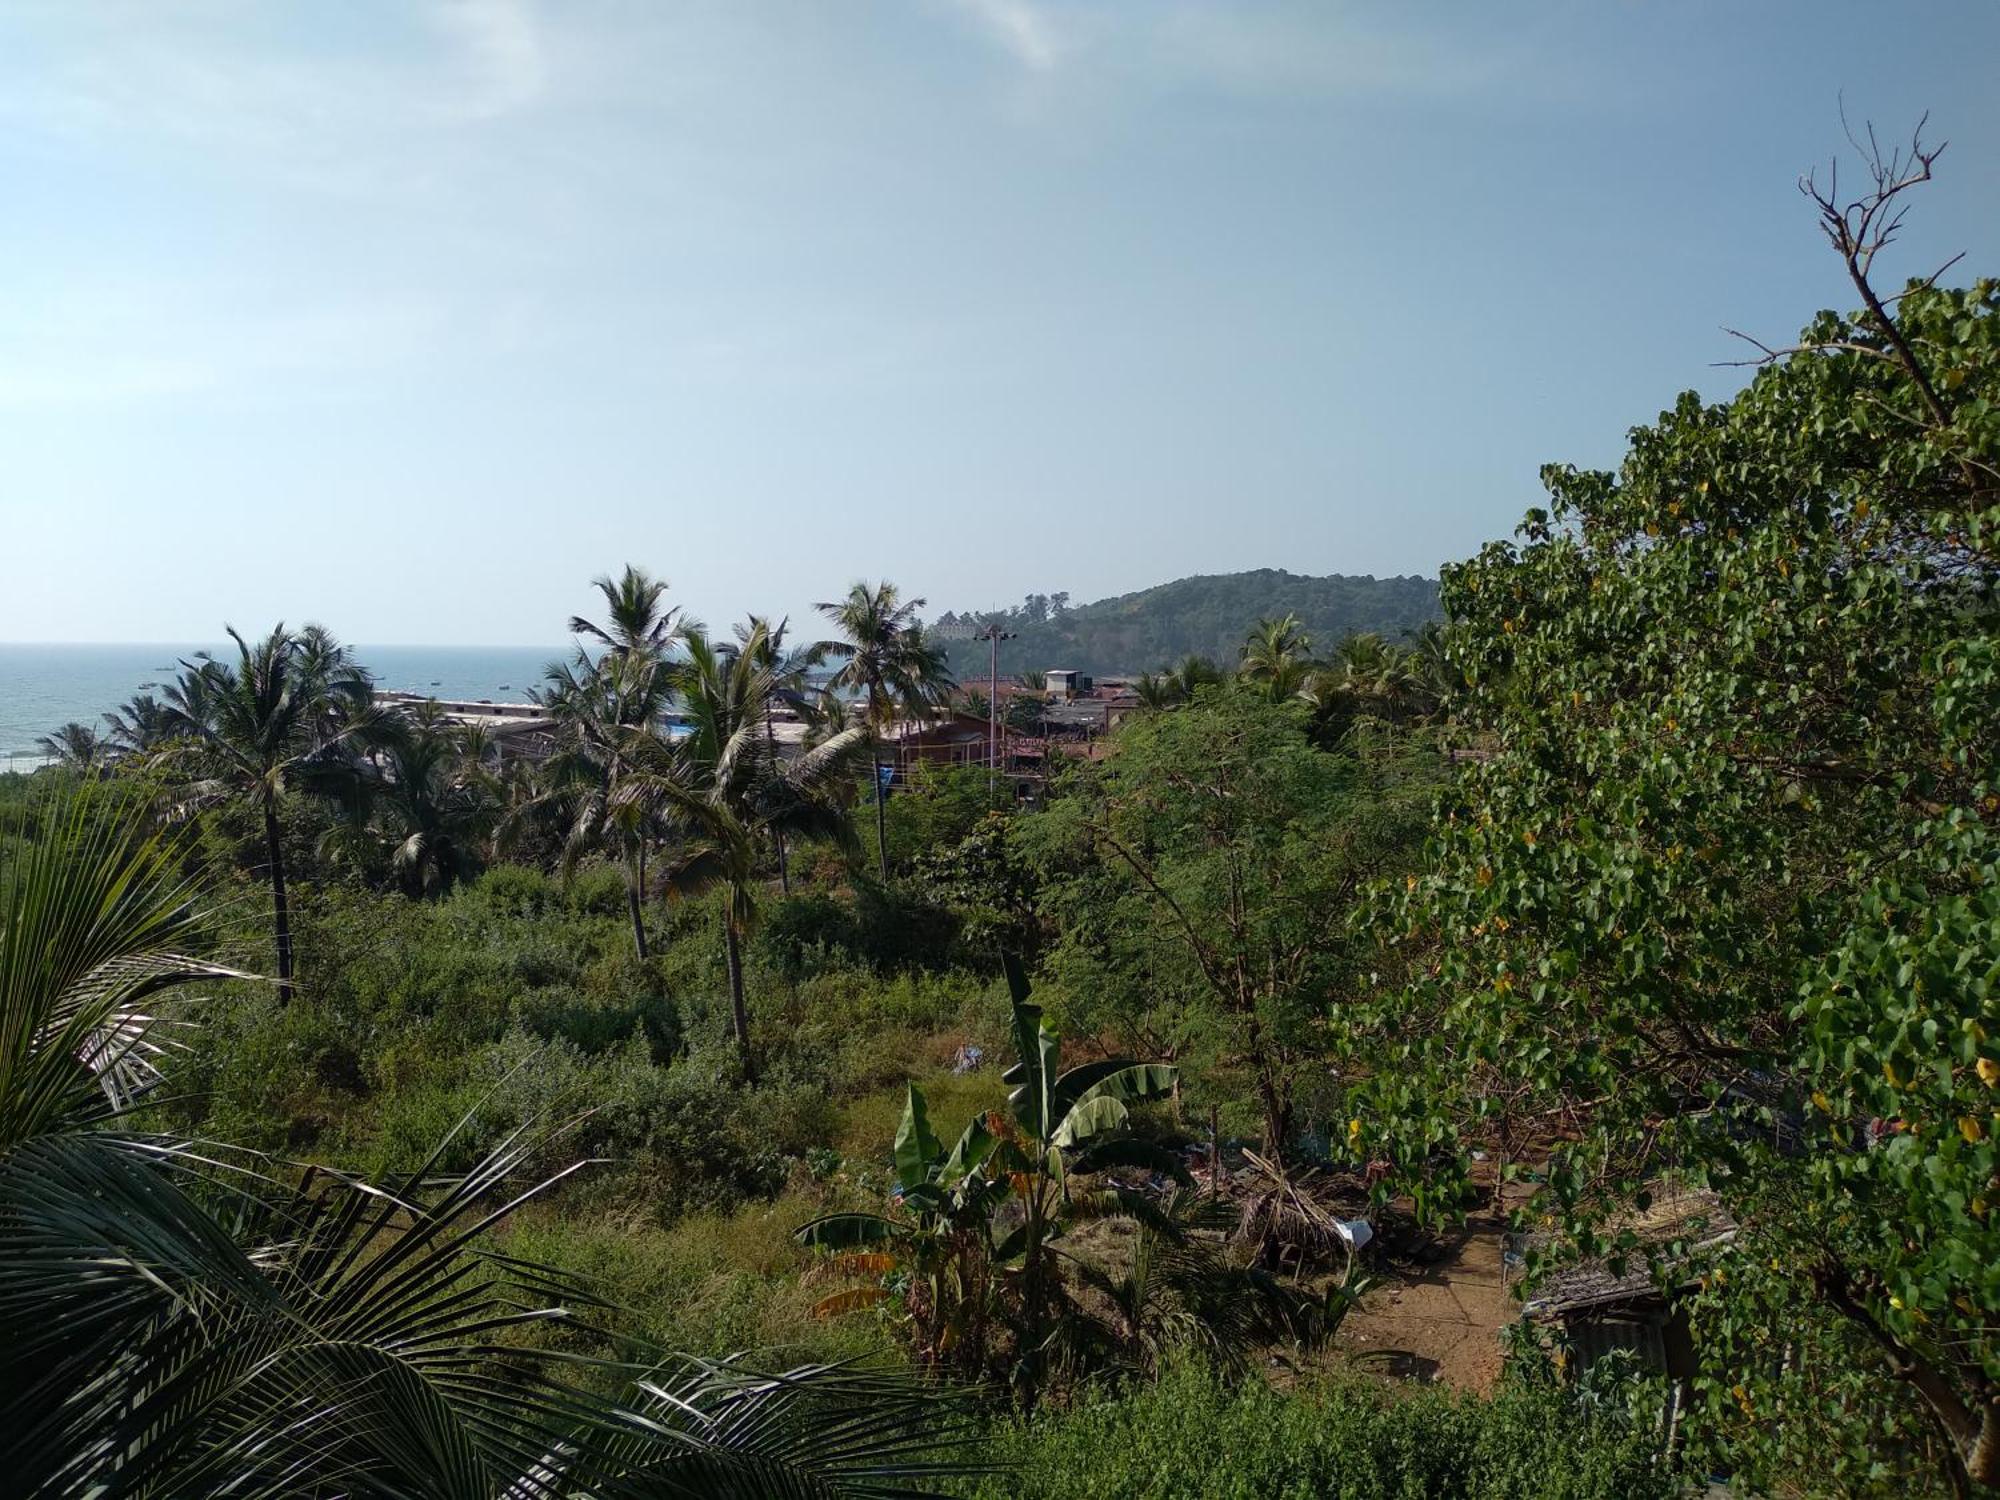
(993, 635)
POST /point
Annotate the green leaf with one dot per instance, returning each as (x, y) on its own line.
(1090, 1118)
(916, 1148)
(847, 1230)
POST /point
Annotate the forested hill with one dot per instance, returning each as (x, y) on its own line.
(1208, 615)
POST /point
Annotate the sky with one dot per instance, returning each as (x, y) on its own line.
(413, 317)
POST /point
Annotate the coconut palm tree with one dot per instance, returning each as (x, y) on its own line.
(1157, 690)
(434, 802)
(140, 725)
(790, 670)
(636, 621)
(1195, 673)
(607, 716)
(889, 668)
(1277, 656)
(76, 746)
(1434, 677)
(724, 789)
(179, 1323)
(291, 712)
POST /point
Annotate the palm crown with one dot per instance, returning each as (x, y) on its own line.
(888, 667)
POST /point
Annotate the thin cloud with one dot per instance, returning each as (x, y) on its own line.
(1023, 30)
(501, 44)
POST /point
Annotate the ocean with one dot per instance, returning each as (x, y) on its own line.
(45, 686)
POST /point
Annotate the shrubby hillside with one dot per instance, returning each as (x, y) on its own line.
(1207, 615)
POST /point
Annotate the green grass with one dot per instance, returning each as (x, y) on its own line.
(711, 1283)
(1192, 1437)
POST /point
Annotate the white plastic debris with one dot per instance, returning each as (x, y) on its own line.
(1357, 1232)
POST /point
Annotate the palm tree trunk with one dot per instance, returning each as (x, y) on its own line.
(281, 911)
(881, 819)
(777, 834)
(635, 885)
(739, 1013)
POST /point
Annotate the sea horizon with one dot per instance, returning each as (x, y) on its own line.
(46, 684)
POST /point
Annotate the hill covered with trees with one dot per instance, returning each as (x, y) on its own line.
(1207, 615)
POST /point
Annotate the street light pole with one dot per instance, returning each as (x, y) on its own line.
(994, 636)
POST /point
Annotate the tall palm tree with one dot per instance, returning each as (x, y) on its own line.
(636, 620)
(608, 716)
(724, 788)
(1277, 656)
(291, 711)
(790, 670)
(890, 669)
(76, 746)
(178, 1323)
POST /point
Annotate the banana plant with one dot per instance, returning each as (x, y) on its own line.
(1066, 1122)
(1010, 1168)
(941, 1249)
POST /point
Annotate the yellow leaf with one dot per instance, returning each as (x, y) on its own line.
(860, 1263)
(1354, 1130)
(1819, 1101)
(1989, 1072)
(846, 1302)
(1971, 1129)
(1889, 1072)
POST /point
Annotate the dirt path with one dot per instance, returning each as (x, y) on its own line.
(1440, 1323)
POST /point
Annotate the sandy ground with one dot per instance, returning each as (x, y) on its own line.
(1441, 1322)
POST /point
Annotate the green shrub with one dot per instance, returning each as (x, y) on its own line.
(1193, 1437)
(596, 891)
(513, 891)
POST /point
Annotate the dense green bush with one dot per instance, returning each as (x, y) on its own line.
(1192, 1437)
(885, 928)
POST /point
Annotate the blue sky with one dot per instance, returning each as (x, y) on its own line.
(412, 317)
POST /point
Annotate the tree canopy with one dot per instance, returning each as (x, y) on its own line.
(1721, 910)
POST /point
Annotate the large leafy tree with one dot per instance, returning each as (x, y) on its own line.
(888, 667)
(292, 712)
(177, 1322)
(1203, 876)
(1722, 910)
(724, 790)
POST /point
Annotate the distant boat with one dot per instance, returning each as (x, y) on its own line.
(434, 682)
(506, 687)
